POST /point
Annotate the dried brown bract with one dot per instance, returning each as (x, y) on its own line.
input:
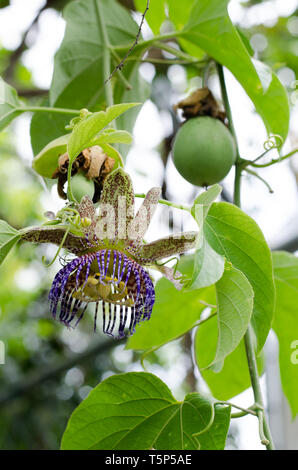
(201, 103)
(93, 161)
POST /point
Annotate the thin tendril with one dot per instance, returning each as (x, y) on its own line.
(251, 172)
(275, 141)
(43, 259)
(183, 276)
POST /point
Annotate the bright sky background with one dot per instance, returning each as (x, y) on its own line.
(276, 214)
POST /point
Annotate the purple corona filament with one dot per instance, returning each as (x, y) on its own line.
(121, 285)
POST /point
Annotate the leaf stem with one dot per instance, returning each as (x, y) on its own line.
(200, 322)
(244, 411)
(272, 162)
(264, 430)
(149, 42)
(47, 109)
(197, 63)
(176, 52)
(167, 203)
(106, 56)
(70, 195)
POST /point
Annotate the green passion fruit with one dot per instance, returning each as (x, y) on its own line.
(204, 151)
(81, 186)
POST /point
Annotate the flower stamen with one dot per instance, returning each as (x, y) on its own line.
(114, 279)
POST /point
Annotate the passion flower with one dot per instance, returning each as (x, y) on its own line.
(110, 267)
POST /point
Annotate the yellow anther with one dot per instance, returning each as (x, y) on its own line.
(86, 221)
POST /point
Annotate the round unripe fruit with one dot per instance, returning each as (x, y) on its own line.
(81, 186)
(204, 151)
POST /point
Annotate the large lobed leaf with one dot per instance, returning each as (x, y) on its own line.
(235, 235)
(78, 79)
(136, 410)
(285, 322)
(78, 69)
(204, 25)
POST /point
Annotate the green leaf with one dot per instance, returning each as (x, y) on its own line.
(234, 308)
(245, 40)
(87, 129)
(264, 72)
(203, 203)
(4, 3)
(234, 376)
(210, 28)
(8, 238)
(46, 127)
(285, 322)
(174, 312)
(208, 265)
(10, 105)
(78, 79)
(156, 14)
(216, 436)
(111, 136)
(137, 411)
(6, 231)
(179, 12)
(235, 235)
(46, 162)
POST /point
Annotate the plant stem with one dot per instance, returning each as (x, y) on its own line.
(264, 429)
(254, 377)
(237, 186)
(226, 102)
(70, 195)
